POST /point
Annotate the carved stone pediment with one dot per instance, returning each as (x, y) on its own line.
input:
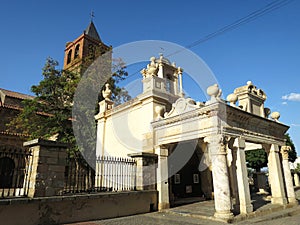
(182, 105)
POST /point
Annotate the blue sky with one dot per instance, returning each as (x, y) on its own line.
(265, 51)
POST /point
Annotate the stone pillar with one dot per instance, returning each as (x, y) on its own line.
(275, 176)
(145, 170)
(287, 175)
(162, 177)
(47, 174)
(104, 106)
(180, 82)
(242, 177)
(296, 180)
(217, 149)
(100, 144)
(231, 159)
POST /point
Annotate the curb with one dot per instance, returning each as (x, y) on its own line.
(261, 215)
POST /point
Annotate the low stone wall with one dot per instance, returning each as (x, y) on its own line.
(75, 208)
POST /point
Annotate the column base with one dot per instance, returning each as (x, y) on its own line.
(226, 215)
(245, 209)
(279, 200)
(293, 201)
(163, 205)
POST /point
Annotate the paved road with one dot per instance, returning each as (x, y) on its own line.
(158, 218)
(291, 217)
(290, 220)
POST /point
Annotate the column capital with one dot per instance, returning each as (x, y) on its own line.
(285, 152)
(236, 142)
(217, 144)
(162, 150)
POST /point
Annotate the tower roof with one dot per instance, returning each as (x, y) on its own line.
(92, 32)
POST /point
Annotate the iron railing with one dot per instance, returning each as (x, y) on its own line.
(15, 164)
(79, 175)
(115, 174)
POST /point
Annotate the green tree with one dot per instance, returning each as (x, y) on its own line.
(292, 153)
(256, 159)
(50, 112)
(297, 169)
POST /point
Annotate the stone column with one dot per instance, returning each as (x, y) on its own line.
(231, 159)
(145, 170)
(162, 177)
(47, 174)
(217, 149)
(180, 81)
(287, 175)
(275, 175)
(242, 177)
(296, 179)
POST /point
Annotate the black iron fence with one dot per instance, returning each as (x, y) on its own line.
(15, 165)
(112, 174)
(115, 173)
(79, 175)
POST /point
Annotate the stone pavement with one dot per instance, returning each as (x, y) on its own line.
(202, 213)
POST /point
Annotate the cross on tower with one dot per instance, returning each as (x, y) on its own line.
(92, 15)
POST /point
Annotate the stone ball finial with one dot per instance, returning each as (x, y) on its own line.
(275, 116)
(232, 98)
(249, 82)
(152, 59)
(213, 90)
(107, 92)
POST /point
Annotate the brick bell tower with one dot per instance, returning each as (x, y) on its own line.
(81, 52)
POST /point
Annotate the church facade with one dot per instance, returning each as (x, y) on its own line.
(188, 149)
(182, 148)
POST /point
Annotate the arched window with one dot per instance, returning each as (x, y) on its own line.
(7, 167)
(69, 57)
(169, 84)
(76, 53)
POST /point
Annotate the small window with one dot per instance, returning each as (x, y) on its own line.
(177, 178)
(76, 53)
(69, 57)
(196, 178)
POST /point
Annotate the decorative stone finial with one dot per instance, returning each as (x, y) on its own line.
(107, 92)
(179, 70)
(161, 55)
(249, 82)
(232, 98)
(214, 91)
(152, 68)
(275, 116)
